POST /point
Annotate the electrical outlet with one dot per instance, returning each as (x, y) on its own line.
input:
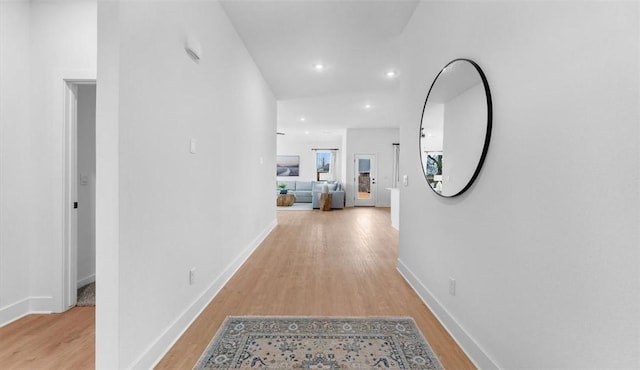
(452, 286)
(192, 276)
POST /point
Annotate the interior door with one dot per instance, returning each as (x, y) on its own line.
(365, 180)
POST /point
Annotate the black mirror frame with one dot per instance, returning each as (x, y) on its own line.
(487, 137)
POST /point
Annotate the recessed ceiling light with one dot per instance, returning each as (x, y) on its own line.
(319, 66)
(391, 74)
(302, 119)
(367, 106)
(306, 132)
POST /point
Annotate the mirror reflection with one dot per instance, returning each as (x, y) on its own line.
(455, 127)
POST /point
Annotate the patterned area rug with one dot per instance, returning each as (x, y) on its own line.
(247, 342)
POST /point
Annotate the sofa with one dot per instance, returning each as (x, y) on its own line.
(309, 192)
(336, 191)
(301, 189)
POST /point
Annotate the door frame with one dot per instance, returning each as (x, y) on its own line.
(70, 189)
(373, 183)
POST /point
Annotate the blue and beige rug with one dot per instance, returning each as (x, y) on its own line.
(247, 342)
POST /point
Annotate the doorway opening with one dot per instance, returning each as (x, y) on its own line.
(80, 194)
(365, 179)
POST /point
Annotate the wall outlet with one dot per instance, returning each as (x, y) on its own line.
(192, 276)
(452, 286)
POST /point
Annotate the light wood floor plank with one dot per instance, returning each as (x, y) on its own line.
(54, 341)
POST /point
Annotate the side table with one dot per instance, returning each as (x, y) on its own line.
(285, 200)
(325, 201)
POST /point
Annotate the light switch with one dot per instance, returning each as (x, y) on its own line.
(405, 180)
(193, 146)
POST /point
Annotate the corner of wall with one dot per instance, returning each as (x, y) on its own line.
(469, 345)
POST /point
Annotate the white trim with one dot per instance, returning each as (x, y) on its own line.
(86, 280)
(69, 215)
(156, 350)
(15, 311)
(24, 307)
(471, 348)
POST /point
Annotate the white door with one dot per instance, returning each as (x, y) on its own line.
(365, 180)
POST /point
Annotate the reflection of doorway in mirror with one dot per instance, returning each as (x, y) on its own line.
(365, 180)
(433, 170)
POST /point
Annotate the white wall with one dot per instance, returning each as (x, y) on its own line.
(16, 164)
(376, 141)
(63, 46)
(301, 146)
(465, 127)
(433, 139)
(172, 210)
(544, 246)
(87, 189)
(42, 43)
(434, 132)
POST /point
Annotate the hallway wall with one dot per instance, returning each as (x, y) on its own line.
(544, 246)
(163, 210)
(16, 164)
(41, 44)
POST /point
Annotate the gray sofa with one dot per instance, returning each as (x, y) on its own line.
(336, 191)
(309, 192)
(301, 189)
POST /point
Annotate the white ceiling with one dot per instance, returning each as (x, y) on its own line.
(356, 40)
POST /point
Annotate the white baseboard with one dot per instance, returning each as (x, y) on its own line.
(473, 350)
(156, 351)
(24, 307)
(86, 280)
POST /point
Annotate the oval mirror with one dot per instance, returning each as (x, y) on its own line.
(455, 128)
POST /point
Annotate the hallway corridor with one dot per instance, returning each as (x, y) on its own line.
(338, 263)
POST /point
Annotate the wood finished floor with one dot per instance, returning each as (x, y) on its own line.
(54, 341)
(337, 263)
